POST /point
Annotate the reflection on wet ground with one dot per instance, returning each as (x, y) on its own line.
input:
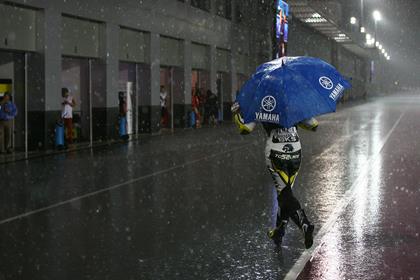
(197, 205)
(377, 235)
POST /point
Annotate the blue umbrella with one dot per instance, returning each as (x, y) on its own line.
(288, 90)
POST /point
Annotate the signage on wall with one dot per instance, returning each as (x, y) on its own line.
(281, 28)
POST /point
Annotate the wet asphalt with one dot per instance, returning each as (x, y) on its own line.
(197, 204)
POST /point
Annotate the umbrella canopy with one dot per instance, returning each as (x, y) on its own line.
(288, 90)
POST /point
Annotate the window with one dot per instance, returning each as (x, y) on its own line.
(224, 8)
(201, 4)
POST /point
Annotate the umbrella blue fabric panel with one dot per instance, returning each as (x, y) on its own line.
(288, 90)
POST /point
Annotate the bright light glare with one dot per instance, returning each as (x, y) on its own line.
(377, 15)
(377, 44)
(362, 29)
(353, 20)
(368, 37)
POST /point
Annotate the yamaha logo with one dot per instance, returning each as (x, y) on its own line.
(326, 82)
(269, 103)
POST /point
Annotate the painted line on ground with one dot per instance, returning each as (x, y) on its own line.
(348, 196)
(113, 187)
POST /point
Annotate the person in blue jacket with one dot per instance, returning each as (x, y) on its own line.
(8, 112)
(283, 158)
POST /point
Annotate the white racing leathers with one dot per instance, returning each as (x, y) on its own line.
(283, 156)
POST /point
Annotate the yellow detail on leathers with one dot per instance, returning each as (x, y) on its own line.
(243, 127)
(310, 124)
(286, 178)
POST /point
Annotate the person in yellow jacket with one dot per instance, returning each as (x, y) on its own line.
(283, 158)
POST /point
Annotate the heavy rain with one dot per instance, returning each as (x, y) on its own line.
(209, 139)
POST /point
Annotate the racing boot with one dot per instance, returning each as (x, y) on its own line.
(300, 219)
(278, 232)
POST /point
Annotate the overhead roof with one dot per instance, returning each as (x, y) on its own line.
(310, 14)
